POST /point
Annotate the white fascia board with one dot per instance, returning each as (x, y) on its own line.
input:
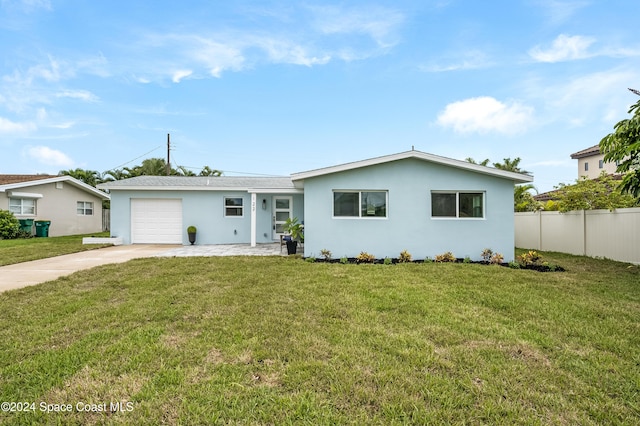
(276, 191)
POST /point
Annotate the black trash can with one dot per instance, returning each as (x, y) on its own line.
(42, 228)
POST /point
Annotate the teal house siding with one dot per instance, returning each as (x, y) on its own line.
(409, 224)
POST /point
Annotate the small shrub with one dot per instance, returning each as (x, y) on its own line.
(428, 260)
(530, 258)
(496, 259)
(467, 259)
(310, 259)
(326, 254)
(405, 257)
(387, 261)
(344, 260)
(9, 225)
(365, 257)
(486, 254)
(445, 257)
(514, 265)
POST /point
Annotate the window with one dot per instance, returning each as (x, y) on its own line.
(22, 206)
(457, 204)
(233, 207)
(586, 166)
(360, 204)
(85, 208)
(600, 164)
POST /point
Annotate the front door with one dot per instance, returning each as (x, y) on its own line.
(282, 208)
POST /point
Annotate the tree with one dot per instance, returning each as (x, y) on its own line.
(90, 177)
(591, 194)
(623, 147)
(472, 161)
(523, 200)
(511, 165)
(208, 171)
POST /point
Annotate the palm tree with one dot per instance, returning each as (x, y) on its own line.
(511, 166)
(90, 177)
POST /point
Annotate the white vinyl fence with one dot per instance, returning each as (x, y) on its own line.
(596, 233)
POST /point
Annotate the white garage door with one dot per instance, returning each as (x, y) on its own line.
(156, 221)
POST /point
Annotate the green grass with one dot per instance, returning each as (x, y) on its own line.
(254, 340)
(26, 249)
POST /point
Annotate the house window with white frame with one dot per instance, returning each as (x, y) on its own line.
(457, 204)
(600, 164)
(233, 206)
(85, 208)
(360, 204)
(22, 206)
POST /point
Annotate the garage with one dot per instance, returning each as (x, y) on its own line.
(156, 221)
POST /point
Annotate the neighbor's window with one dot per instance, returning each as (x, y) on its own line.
(85, 208)
(233, 207)
(360, 204)
(600, 164)
(586, 167)
(457, 204)
(22, 206)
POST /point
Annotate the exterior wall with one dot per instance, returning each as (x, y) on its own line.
(59, 205)
(205, 211)
(409, 224)
(599, 233)
(594, 169)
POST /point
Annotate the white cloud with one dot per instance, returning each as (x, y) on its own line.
(180, 74)
(560, 11)
(379, 23)
(280, 51)
(48, 156)
(470, 60)
(8, 126)
(83, 95)
(564, 48)
(486, 114)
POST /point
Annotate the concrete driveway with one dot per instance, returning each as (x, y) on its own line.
(39, 271)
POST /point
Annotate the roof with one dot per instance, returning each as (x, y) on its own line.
(10, 182)
(465, 165)
(203, 183)
(594, 150)
(7, 179)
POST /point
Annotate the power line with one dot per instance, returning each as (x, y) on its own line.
(124, 164)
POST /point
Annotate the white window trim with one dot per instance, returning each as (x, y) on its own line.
(22, 199)
(359, 192)
(224, 207)
(84, 208)
(457, 216)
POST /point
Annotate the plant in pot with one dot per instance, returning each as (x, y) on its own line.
(192, 234)
(296, 234)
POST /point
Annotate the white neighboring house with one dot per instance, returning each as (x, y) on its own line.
(72, 206)
(591, 163)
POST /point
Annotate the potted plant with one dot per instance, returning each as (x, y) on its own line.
(192, 234)
(296, 234)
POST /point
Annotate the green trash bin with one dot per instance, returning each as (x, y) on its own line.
(42, 228)
(26, 225)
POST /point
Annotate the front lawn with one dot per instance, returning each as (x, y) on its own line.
(269, 340)
(26, 249)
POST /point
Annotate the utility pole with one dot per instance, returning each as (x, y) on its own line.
(168, 155)
(637, 92)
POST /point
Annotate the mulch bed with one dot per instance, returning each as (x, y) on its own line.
(353, 260)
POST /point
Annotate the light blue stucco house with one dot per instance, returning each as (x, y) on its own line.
(413, 201)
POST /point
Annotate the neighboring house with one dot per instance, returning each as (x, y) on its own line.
(591, 163)
(72, 206)
(416, 201)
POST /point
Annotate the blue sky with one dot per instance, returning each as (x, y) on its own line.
(276, 87)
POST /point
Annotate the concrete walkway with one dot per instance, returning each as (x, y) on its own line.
(38, 271)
